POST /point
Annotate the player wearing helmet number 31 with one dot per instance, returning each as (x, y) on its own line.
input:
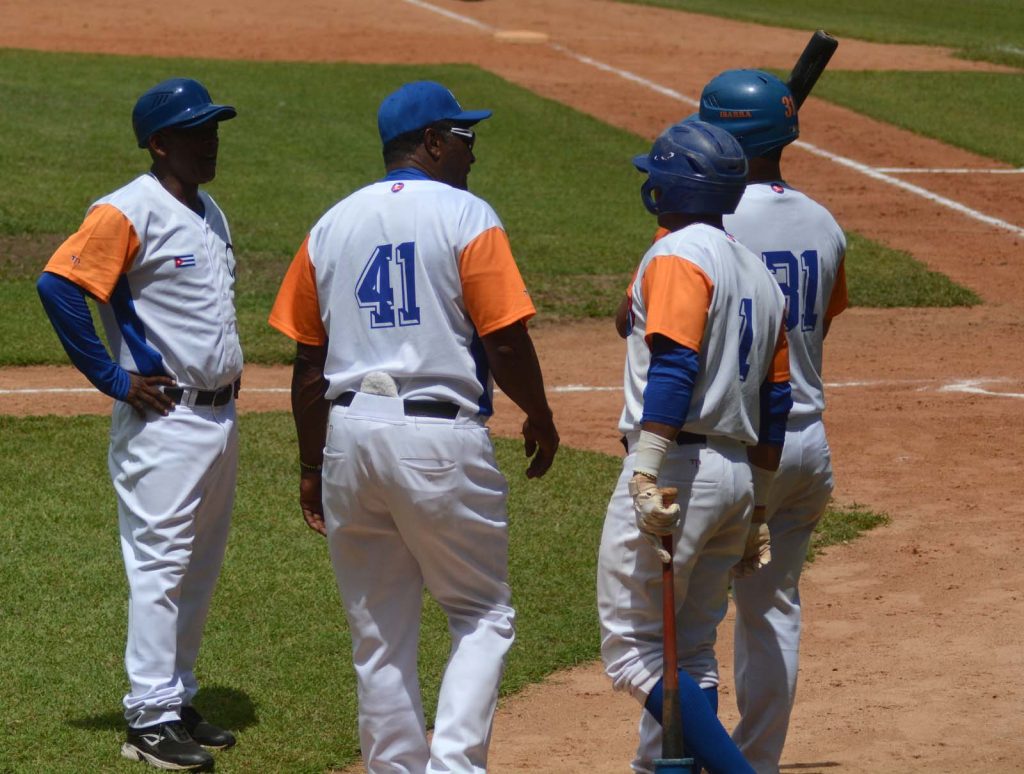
(803, 246)
(706, 401)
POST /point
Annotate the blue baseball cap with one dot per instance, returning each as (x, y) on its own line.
(419, 104)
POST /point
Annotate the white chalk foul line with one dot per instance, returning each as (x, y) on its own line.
(974, 387)
(924, 193)
(864, 169)
(283, 390)
(627, 75)
(949, 171)
(971, 386)
(451, 15)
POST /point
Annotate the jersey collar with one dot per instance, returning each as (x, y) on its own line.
(406, 173)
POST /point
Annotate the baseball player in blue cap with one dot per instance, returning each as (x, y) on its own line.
(406, 305)
(706, 399)
(803, 247)
(156, 255)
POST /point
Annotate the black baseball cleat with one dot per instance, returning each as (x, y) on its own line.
(207, 734)
(166, 746)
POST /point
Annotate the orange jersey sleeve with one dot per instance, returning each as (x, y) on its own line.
(96, 255)
(779, 371)
(492, 287)
(296, 311)
(661, 232)
(677, 295)
(840, 299)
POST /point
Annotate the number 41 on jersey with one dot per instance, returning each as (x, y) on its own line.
(374, 290)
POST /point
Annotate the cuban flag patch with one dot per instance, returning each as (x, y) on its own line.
(184, 261)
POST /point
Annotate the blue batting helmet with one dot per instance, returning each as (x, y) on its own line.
(754, 106)
(180, 102)
(693, 167)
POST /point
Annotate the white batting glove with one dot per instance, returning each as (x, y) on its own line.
(758, 551)
(655, 513)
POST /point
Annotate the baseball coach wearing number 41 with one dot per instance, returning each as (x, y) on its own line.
(157, 256)
(404, 301)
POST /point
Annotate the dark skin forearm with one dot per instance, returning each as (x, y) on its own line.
(310, 411)
(513, 361)
(622, 318)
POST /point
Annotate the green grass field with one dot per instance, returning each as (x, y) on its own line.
(992, 30)
(306, 136)
(988, 108)
(275, 663)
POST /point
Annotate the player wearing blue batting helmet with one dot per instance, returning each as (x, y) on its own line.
(177, 102)
(693, 167)
(754, 106)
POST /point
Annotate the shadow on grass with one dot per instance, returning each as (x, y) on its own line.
(223, 706)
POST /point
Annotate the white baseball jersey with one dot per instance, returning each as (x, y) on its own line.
(362, 277)
(166, 278)
(405, 276)
(803, 246)
(701, 288)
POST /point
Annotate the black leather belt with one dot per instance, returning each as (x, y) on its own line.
(189, 396)
(437, 409)
(684, 438)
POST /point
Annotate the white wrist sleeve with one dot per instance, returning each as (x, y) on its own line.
(762, 484)
(649, 452)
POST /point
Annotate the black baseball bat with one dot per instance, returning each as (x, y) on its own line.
(811, 65)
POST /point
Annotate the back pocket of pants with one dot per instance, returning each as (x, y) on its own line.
(427, 466)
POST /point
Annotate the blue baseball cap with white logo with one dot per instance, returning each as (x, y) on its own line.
(419, 104)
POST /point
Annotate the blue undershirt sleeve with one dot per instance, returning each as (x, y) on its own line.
(776, 402)
(65, 305)
(670, 379)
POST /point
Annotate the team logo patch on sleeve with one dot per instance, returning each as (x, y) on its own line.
(184, 261)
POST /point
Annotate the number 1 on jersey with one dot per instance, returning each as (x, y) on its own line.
(374, 290)
(746, 335)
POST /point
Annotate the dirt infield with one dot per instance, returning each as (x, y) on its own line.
(912, 656)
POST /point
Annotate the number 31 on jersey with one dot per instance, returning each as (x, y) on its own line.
(374, 290)
(798, 279)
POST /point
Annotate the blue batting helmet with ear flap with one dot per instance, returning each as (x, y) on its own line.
(754, 106)
(693, 167)
(179, 102)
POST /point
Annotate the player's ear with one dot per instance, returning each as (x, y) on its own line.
(157, 145)
(433, 140)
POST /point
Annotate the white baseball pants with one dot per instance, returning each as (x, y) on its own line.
(174, 477)
(413, 502)
(768, 619)
(716, 497)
